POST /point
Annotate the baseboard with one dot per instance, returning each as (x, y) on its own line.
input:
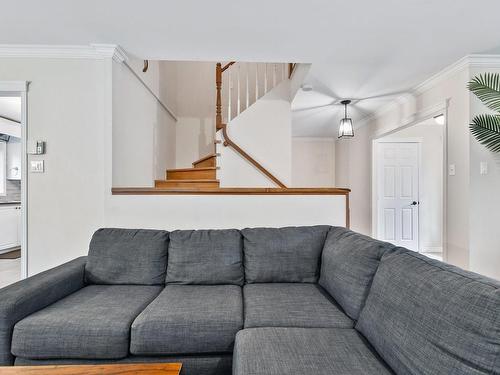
(432, 249)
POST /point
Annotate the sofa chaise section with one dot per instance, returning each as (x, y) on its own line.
(427, 317)
(299, 351)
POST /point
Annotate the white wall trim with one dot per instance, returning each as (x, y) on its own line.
(316, 139)
(14, 86)
(21, 87)
(422, 115)
(92, 51)
(466, 62)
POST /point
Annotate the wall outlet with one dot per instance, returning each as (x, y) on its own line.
(37, 166)
(451, 170)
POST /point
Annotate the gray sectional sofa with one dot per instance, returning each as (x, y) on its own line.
(264, 301)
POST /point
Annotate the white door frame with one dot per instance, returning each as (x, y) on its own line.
(21, 88)
(375, 143)
(425, 114)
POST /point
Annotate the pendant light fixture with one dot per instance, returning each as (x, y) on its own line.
(345, 129)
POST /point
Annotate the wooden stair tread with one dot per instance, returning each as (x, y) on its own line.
(205, 173)
(213, 155)
(187, 184)
(192, 169)
(198, 180)
(207, 161)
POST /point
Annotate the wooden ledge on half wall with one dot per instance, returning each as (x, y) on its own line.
(229, 191)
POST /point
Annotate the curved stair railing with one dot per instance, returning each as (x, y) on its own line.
(251, 81)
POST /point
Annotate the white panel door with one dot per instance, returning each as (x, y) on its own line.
(397, 190)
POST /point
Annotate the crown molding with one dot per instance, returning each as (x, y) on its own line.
(483, 61)
(466, 62)
(92, 51)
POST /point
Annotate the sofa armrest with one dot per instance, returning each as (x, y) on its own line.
(34, 293)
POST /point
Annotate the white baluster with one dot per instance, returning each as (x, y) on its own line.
(247, 73)
(283, 73)
(274, 75)
(229, 95)
(238, 92)
(265, 79)
(256, 81)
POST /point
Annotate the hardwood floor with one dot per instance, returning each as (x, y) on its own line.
(10, 271)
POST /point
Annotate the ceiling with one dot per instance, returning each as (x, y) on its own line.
(361, 49)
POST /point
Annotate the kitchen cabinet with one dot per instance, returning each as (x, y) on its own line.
(14, 159)
(10, 226)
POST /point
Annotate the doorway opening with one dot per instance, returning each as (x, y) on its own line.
(408, 185)
(13, 262)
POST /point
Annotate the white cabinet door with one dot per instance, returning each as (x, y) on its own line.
(9, 223)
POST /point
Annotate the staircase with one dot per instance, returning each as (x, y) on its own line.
(246, 83)
(203, 175)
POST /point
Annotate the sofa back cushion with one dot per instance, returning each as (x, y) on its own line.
(285, 255)
(349, 262)
(426, 317)
(127, 256)
(205, 257)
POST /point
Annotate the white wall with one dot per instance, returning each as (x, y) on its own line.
(353, 171)
(484, 200)
(471, 239)
(264, 131)
(66, 108)
(313, 162)
(192, 94)
(144, 140)
(431, 181)
(70, 106)
(357, 154)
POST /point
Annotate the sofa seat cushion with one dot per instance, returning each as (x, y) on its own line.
(127, 256)
(427, 317)
(291, 305)
(93, 322)
(299, 351)
(349, 262)
(283, 255)
(189, 319)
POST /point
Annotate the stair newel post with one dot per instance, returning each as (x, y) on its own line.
(218, 105)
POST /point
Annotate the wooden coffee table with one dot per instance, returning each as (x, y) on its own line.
(117, 369)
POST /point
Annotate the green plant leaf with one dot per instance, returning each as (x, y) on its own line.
(486, 129)
(487, 88)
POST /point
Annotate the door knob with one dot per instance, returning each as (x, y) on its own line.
(414, 203)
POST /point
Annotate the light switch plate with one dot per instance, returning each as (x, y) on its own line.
(451, 170)
(37, 166)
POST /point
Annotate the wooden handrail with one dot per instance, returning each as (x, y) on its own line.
(219, 69)
(239, 150)
(291, 68)
(228, 65)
